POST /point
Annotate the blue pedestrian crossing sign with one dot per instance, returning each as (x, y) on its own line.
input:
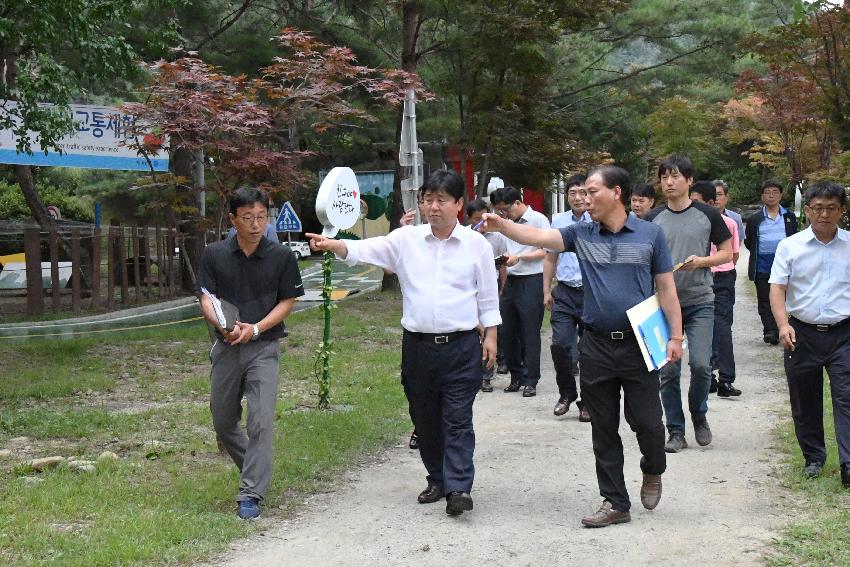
(287, 220)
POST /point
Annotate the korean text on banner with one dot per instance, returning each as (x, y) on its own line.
(100, 142)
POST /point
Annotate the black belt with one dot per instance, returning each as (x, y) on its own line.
(565, 284)
(523, 275)
(611, 335)
(440, 338)
(823, 328)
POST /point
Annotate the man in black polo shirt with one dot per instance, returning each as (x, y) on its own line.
(623, 261)
(262, 280)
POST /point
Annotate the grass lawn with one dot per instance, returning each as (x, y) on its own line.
(820, 531)
(170, 497)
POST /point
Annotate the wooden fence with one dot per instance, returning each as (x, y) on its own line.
(140, 264)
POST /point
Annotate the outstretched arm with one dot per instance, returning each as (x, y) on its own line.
(322, 244)
(524, 234)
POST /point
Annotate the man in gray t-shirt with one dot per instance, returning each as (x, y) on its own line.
(690, 228)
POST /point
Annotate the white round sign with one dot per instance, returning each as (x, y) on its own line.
(338, 201)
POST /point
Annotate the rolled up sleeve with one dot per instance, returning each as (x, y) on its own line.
(780, 272)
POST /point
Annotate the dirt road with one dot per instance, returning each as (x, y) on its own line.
(535, 480)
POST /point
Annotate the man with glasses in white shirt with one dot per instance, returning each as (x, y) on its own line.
(449, 289)
(522, 296)
(810, 300)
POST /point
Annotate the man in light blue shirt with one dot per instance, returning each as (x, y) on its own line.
(566, 301)
(810, 299)
(764, 231)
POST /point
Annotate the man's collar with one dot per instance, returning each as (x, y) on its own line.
(782, 211)
(809, 234)
(260, 252)
(631, 225)
(527, 214)
(584, 217)
(457, 232)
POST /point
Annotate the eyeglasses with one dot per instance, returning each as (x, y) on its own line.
(502, 211)
(830, 210)
(251, 219)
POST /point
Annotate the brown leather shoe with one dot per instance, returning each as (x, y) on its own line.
(432, 494)
(605, 516)
(650, 491)
(563, 405)
(584, 415)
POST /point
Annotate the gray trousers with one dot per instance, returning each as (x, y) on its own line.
(251, 370)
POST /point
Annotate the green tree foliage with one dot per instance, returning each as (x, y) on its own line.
(805, 85)
(55, 51)
(13, 205)
(680, 125)
(619, 74)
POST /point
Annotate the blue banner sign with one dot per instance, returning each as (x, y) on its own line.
(100, 142)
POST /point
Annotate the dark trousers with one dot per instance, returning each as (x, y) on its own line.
(566, 329)
(723, 353)
(804, 366)
(763, 297)
(521, 307)
(441, 381)
(607, 366)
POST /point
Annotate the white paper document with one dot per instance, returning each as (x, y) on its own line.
(219, 312)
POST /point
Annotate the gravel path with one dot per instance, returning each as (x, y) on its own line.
(535, 480)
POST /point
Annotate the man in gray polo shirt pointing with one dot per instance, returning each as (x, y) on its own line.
(624, 260)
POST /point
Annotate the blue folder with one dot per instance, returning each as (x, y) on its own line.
(655, 333)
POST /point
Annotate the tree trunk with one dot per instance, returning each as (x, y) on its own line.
(488, 147)
(23, 173)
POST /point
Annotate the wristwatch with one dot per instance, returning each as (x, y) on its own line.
(256, 332)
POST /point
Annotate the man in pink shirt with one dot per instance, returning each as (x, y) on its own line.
(723, 356)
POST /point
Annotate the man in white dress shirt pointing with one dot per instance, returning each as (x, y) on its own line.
(449, 289)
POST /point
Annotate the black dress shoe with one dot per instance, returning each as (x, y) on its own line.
(845, 475)
(433, 493)
(771, 338)
(813, 469)
(513, 387)
(457, 503)
(529, 391)
(414, 440)
(712, 388)
(563, 405)
(502, 368)
(726, 389)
